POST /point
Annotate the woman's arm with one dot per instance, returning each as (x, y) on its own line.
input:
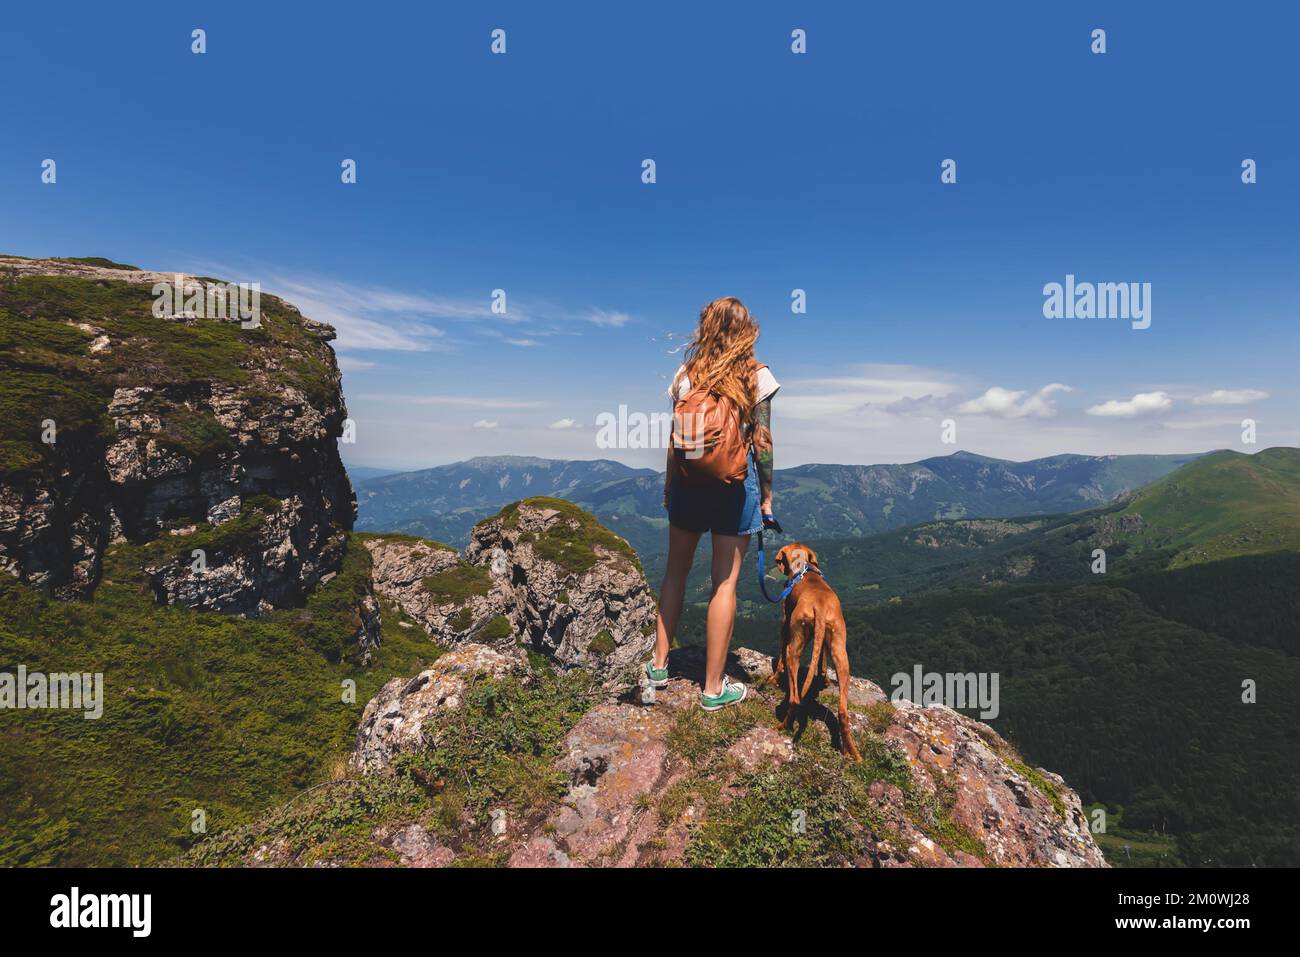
(763, 453)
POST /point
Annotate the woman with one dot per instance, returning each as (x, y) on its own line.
(720, 363)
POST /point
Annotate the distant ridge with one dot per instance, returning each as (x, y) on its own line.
(816, 500)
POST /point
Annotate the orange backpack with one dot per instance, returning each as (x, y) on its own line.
(709, 443)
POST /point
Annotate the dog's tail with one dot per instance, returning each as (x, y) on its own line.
(819, 637)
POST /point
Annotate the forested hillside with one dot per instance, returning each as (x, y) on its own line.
(1133, 688)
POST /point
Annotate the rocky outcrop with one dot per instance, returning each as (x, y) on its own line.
(578, 591)
(408, 713)
(208, 446)
(542, 574)
(453, 600)
(961, 778)
(497, 756)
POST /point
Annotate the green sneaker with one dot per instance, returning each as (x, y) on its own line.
(658, 676)
(733, 692)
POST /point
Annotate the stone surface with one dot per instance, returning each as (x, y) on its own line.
(405, 715)
(600, 618)
(125, 482)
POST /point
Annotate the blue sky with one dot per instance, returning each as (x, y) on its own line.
(775, 171)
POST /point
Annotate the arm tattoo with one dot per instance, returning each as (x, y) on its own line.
(763, 446)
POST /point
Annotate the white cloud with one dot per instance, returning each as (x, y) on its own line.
(485, 424)
(563, 424)
(354, 364)
(1144, 403)
(1230, 397)
(522, 343)
(1015, 404)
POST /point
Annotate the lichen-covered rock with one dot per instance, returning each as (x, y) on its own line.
(162, 424)
(405, 714)
(542, 574)
(579, 594)
(1022, 816)
(455, 602)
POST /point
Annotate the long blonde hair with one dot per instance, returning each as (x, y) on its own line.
(720, 358)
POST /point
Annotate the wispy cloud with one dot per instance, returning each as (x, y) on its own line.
(481, 402)
(379, 317)
(1144, 403)
(600, 317)
(563, 424)
(880, 387)
(1230, 397)
(485, 424)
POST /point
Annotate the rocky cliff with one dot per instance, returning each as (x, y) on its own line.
(206, 448)
(522, 746)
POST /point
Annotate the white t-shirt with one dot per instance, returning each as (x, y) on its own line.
(765, 387)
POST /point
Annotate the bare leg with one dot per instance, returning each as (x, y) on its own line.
(728, 555)
(672, 593)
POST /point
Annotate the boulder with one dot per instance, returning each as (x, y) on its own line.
(407, 713)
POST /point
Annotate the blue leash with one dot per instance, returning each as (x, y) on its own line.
(789, 583)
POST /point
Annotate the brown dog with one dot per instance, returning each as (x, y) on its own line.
(812, 611)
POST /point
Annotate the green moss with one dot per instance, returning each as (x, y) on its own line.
(603, 644)
(1036, 778)
(755, 827)
(459, 584)
(572, 540)
(331, 822)
(498, 629)
(462, 620)
(196, 434)
(48, 372)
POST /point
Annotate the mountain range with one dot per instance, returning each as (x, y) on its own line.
(812, 501)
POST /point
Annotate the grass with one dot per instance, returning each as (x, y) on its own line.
(201, 711)
(602, 644)
(498, 629)
(496, 752)
(50, 373)
(747, 819)
(459, 584)
(1126, 847)
(1224, 504)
